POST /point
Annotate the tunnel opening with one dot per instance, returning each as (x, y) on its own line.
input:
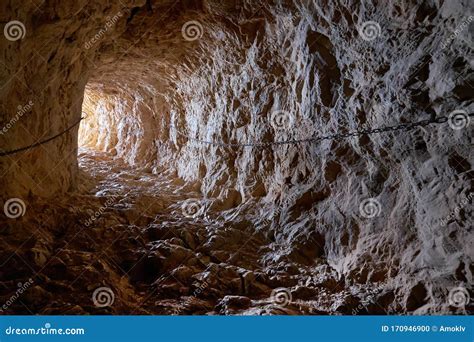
(119, 122)
(94, 110)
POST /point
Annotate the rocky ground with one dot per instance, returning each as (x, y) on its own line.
(133, 235)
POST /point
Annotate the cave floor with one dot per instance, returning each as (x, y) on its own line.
(128, 231)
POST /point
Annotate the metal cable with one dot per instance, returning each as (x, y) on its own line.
(404, 126)
(6, 153)
(338, 136)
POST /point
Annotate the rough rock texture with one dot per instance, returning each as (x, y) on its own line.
(190, 227)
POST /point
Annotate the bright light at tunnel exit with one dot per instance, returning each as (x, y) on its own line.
(95, 130)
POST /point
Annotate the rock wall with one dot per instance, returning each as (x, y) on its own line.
(46, 60)
(310, 65)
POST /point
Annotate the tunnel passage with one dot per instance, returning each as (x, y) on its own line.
(169, 224)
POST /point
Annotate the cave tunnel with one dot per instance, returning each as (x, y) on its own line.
(236, 157)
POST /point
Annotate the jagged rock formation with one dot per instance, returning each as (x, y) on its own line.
(173, 225)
